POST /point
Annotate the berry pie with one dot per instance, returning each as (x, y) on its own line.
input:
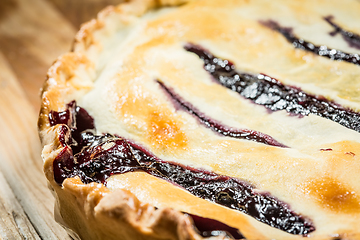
(208, 119)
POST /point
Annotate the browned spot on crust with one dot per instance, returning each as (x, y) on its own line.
(333, 195)
(67, 64)
(164, 131)
(160, 127)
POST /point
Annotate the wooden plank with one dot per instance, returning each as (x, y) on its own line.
(13, 220)
(80, 11)
(20, 161)
(32, 35)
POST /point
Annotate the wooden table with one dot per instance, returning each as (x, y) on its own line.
(33, 33)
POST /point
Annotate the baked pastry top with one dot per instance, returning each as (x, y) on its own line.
(208, 119)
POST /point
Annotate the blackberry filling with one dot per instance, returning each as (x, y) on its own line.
(208, 227)
(322, 50)
(272, 94)
(77, 119)
(105, 155)
(221, 129)
(351, 38)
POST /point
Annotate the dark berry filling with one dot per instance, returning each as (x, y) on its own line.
(322, 50)
(351, 38)
(272, 94)
(105, 155)
(208, 227)
(219, 128)
(77, 119)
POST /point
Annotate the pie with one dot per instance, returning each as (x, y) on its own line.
(208, 119)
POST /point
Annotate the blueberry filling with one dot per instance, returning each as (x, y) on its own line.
(272, 94)
(97, 157)
(217, 127)
(77, 119)
(208, 227)
(351, 38)
(322, 50)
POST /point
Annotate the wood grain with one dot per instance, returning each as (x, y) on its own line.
(32, 35)
(80, 11)
(21, 165)
(15, 224)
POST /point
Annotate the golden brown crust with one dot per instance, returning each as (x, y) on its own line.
(89, 209)
(96, 213)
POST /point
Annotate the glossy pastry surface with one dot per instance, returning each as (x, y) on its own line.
(242, 112)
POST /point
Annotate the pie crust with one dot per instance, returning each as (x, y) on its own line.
(114, 72)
